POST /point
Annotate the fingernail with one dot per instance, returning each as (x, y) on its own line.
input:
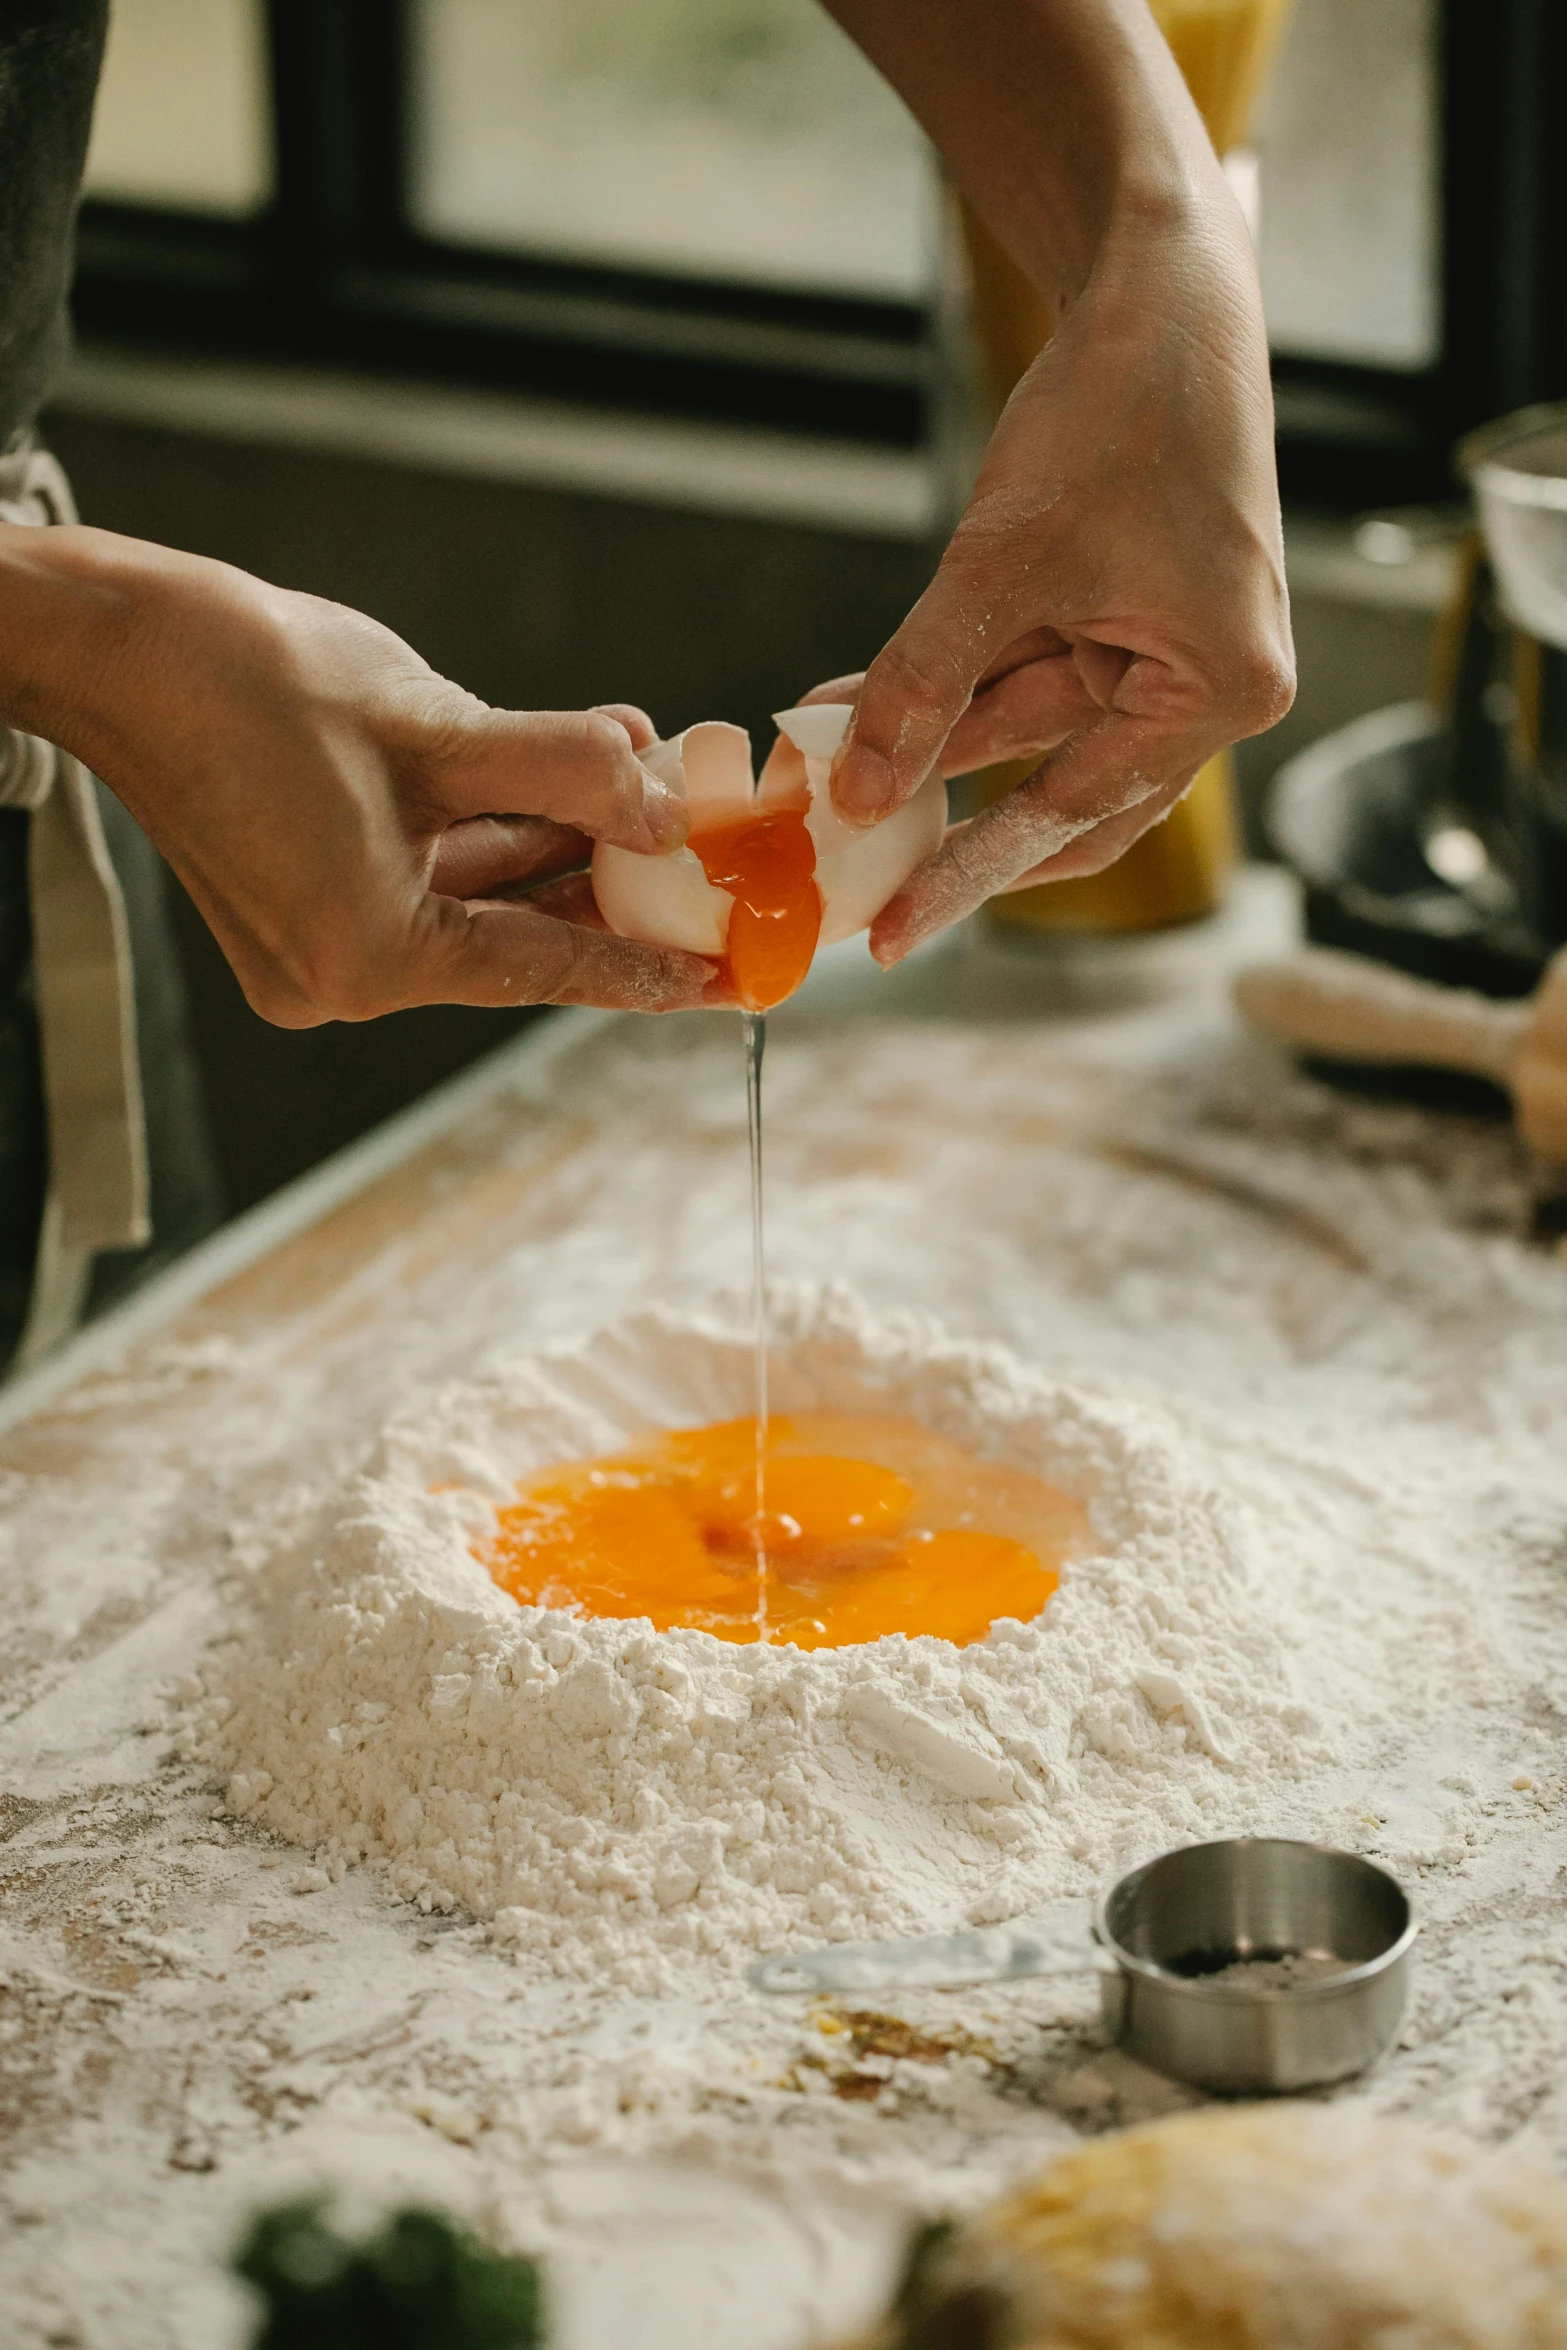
(667, 817)
(862, 786)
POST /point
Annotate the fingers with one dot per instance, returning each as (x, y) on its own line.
(1103, 843)
(1029, 709)
(484, 855)
(570, 899)
(1041, 689)
(577, 767)
(836, 689)
(1114, 769)
(915, 691)
(551, 947)
(1103, 669)
(521, 954)
(636, 722)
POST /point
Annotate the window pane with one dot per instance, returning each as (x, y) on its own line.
(182, 115)
(1348, 143)
(732, 138)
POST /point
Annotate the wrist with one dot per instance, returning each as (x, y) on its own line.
(1155, 185)
(1065, 122)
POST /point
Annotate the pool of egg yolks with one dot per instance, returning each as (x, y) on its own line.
(768, 865)
(871, 1523)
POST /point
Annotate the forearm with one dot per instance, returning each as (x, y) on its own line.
(72, 605)
(305, 773)
(116, 649)
(1064, 121)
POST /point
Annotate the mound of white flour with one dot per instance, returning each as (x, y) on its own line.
(623, 1797)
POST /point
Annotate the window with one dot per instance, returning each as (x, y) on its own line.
(183, 113)
(714, 207)
(738, 139)
(1350, 230)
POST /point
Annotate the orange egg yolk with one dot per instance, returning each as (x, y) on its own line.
(768, 865)
(869, 1524)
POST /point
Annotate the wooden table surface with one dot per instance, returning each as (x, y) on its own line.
(580, 1170)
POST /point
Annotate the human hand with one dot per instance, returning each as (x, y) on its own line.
(1114, 593)
(360, 834)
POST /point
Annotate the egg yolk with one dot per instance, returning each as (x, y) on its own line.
(768, 866)
(869, 1524)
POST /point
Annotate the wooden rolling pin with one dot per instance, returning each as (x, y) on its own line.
(1349, 1008)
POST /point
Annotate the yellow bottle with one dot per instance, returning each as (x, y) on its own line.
(1178, 871)
(1224, 49)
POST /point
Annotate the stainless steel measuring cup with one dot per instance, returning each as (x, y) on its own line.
(1248, 1967)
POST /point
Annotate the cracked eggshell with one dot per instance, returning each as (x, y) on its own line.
(663, 901)
(669, 901)
(857, 871)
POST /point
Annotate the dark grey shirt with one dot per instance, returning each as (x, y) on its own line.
(49, 60)
(50, 54)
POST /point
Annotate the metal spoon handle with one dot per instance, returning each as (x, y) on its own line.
(989, 1954)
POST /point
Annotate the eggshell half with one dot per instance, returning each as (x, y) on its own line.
(858, 871)
(664, 901)
(715, 760)
(816, 728)
(669, 901)
(663, 760)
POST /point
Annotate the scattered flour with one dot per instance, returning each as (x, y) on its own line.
(622, 1799)
(1299, 1347)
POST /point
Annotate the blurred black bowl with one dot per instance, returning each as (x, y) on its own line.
(1365, 819)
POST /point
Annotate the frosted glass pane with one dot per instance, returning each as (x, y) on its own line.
(1349, 180)
(730, 138)
(183, 108)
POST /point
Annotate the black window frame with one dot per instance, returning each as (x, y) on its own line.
(334, 273)
(1502, 244)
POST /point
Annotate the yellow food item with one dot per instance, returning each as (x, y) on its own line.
(869, 1523)
(768, 864)
(1224, 49)
(1277, 2227)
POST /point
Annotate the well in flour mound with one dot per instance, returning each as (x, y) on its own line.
(619, 1796)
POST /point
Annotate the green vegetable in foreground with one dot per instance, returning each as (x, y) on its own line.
(417, 2283)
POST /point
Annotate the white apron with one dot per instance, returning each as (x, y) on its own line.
(97, 1196)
